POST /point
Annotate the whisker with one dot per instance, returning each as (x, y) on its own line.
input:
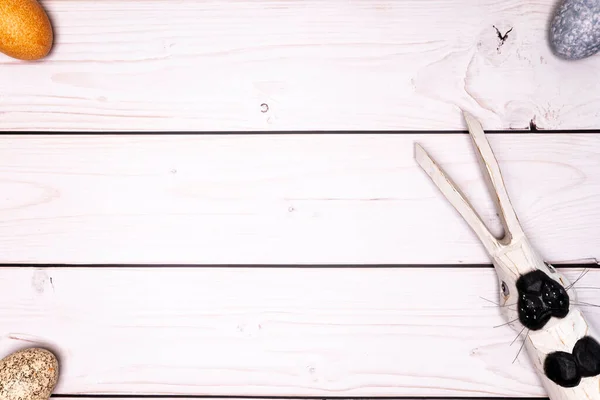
(490, 301)
(583, 273)
(507, 323)
(496, 304)
(517, 336)
(511, 307)
(582, 303)
(524, 340)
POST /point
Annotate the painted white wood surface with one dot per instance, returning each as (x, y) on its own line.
(316, 65)
(269, 199)
(272, 331)
(514, 258)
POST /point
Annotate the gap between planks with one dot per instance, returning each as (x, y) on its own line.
(167, 397)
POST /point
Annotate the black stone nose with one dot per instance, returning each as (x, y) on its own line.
(540, 298)
(567, 370)
(561, 368)
(586, 354)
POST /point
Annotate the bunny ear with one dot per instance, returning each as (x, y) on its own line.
(455, 196)
(493, 176)
(495, 182)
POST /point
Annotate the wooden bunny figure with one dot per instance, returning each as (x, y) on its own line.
(534, 297)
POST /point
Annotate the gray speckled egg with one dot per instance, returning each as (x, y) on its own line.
(29, 374)
(575, 29)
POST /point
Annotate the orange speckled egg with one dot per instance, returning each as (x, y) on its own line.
(25, 30)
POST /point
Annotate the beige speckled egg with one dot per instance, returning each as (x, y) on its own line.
(29, 374)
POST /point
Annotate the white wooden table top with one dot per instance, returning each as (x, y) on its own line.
(221, 196)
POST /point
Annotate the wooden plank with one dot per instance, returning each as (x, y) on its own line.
(272, 331)
(291, 199)
(298, 65)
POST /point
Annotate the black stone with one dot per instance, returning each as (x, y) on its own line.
(556, 298)
(540, 298)
(532, 282)
(561, 368)
(587, 356)
(532, 312)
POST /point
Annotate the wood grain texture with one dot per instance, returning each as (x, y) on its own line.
(273, 199)
(272, 331)
(298, 65)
